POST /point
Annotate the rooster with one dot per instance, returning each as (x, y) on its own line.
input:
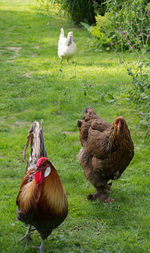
(66, 46)
(106, 151)
(41, 201)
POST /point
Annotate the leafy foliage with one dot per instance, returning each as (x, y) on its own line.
(102, 31)
(124, 26)
(79, 10)
(140, 93)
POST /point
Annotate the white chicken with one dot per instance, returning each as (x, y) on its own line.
(66, 46)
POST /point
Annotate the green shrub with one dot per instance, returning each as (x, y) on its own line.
(82, 10)
(124, 26)
(79, 10)
(140, 92)
(102, 31)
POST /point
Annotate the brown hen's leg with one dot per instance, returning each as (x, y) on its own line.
(101, 194)
(92, 197)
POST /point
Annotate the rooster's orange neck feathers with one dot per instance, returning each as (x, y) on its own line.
(50, 194)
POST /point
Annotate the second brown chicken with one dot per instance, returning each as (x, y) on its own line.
(106, 151)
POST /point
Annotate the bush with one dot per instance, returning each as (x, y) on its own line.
(140, 93)
(102, 32)
(78, 10)
(82, 10)
(124, 26)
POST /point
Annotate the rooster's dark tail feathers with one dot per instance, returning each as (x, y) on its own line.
(36, 139)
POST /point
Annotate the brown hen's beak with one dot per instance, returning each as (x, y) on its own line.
(118, 126)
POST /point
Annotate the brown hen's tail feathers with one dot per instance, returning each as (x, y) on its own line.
(36, 139)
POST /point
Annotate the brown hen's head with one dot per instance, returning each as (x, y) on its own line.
(119, 124)
(43, 169)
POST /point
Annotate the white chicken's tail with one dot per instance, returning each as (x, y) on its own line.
(36, 139)
(62, 33)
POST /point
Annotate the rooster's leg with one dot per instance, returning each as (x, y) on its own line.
(27, 236)
(41, 248)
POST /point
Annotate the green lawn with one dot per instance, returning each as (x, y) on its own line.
(32, 87)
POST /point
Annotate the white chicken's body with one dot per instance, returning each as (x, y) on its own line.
(66, 46)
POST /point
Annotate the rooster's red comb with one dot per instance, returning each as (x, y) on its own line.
(41, 161)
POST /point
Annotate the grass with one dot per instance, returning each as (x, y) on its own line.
(33, 88)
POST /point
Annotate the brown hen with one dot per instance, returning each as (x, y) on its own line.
(106, 151)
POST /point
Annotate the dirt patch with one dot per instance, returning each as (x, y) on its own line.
(16, 51)
(37, 47)
(67, 133)
(28, 75)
